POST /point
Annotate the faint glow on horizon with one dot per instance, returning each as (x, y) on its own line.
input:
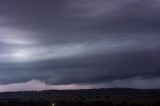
(21, 55)
(41, 53)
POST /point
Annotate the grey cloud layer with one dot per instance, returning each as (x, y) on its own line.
(79, 42)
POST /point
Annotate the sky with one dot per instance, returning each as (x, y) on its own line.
(79, 44)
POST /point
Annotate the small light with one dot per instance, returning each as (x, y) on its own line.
(53, 104)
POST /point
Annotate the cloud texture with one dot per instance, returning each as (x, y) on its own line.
(88, 43)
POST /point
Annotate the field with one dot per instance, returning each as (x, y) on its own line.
(90, 97)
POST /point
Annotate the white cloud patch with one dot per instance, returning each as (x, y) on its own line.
(58, 51)
(38, 85)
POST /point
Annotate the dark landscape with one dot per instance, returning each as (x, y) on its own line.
(89, 97)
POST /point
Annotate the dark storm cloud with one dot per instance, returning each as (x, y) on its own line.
(101, 68)
(79, 42)
(71, 20)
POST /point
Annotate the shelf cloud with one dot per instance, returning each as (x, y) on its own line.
(84, 43)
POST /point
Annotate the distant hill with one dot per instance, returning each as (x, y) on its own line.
(48, 94)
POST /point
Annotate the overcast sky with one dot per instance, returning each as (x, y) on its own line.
(74, 44)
